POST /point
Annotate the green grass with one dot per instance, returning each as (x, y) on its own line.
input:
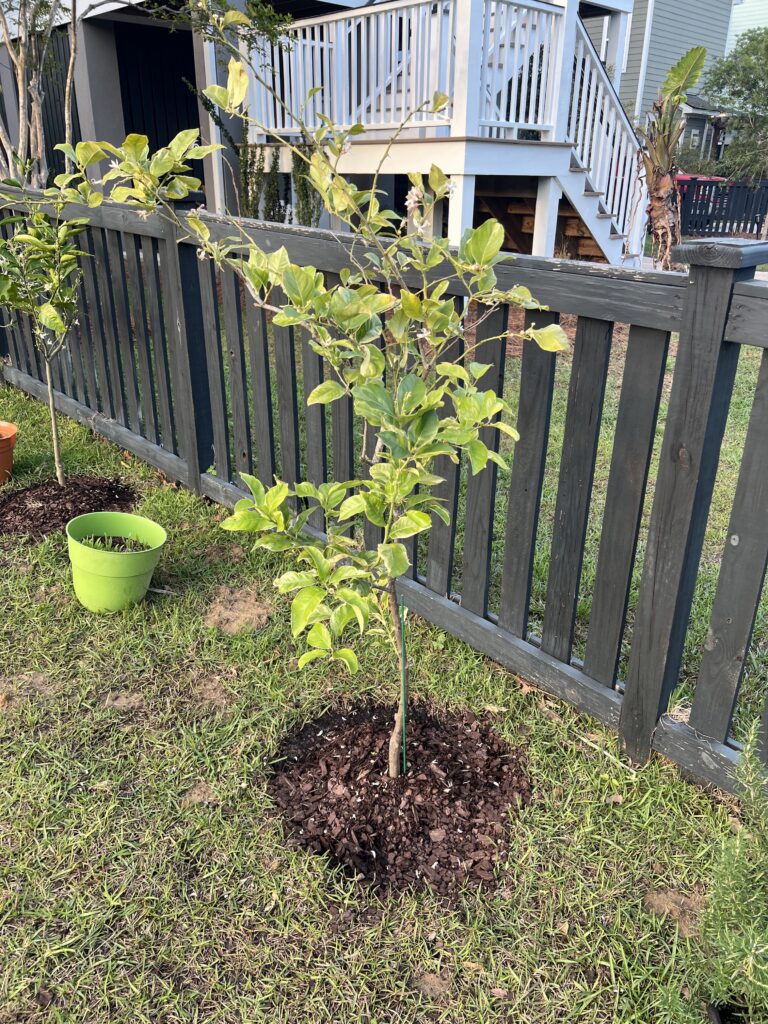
(124, 901)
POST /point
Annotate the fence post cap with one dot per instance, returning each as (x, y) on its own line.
(729, 253)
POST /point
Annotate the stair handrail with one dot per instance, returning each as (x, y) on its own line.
(601, 133)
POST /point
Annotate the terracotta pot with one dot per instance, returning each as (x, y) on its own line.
(8, 433)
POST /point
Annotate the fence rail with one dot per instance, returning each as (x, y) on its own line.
(722, 208)
(176, 363)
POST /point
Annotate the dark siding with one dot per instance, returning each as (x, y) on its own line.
(55, 79)
(154, 63)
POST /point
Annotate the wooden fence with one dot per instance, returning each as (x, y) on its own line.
(175, 364)
(718, 208)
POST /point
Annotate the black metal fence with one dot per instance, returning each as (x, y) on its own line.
(175, 363)
(717, 208)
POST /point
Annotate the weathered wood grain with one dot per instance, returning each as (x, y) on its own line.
(577, 466)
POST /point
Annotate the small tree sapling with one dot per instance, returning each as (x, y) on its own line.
(391, 339)
(39, 277)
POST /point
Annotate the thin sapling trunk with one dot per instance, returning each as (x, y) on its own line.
(396, 737)
(54, 423)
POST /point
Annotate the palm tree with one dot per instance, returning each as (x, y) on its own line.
(660, 138)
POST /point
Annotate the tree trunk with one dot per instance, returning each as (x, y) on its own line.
(664, 218)
(54, 424)
(396, 737)
(70, 82)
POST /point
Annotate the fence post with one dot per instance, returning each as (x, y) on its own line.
(698, 408)
(186, 350)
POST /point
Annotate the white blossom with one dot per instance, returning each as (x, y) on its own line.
(413, 199)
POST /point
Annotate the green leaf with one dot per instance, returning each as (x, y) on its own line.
(348, 657)
(551, 338)
(161, 163)
(395, 559)
(309, 656)
(180, 143)
(352, 506)
(374, 403)
(477, 370)
(341, 616)
(254, 485)
(218, 95)
(685, 74)
(51, 318)
(478, 455)
(237, 83)
(411, 304)
(235, 18)
(484, 242)
(326, 392)
(274, 542)
(136, 147)
(305, 602)
(247, 522)
(319, 636)
(294, 581)
(357, 603)
(409, 524)
(437, 179)
(87, 153)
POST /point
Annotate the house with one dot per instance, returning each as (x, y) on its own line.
(660, 32)
(534, 132)
(745, 16)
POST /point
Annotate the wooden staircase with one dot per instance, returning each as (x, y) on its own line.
(514, 205)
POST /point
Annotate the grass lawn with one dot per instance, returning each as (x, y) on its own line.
(144, 876)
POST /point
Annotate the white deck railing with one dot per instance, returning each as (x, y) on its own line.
(377, 65)
(517, 73)
(374, 68)
(601, 133)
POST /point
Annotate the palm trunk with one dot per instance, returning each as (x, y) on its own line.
(54, 424)
(396, 737)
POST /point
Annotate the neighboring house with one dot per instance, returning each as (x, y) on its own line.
(746, 15)
(705, 126)
(661, 32)
(533, 134)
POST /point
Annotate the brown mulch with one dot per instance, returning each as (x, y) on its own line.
(47, 508)
(443, 825)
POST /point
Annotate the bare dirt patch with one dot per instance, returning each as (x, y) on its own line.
(125, 701)
(200, 793)
(213, 691)
(25, 686)
(47, 508)
(238, 610)
(433, 986)
(679, 907)
(444, 824)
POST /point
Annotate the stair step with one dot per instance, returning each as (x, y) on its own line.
(593, 193)
(603, 215)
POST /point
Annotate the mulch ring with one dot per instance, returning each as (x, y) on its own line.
(46, 508)
(442, 826)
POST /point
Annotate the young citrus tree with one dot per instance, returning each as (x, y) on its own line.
(41, 262)
(389, 335)
(39, 277)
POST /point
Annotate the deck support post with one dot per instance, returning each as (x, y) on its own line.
(545, 221)
(461, 206)
(616, 50)
(560, 98)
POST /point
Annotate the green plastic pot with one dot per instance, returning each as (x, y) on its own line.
(108, 581)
